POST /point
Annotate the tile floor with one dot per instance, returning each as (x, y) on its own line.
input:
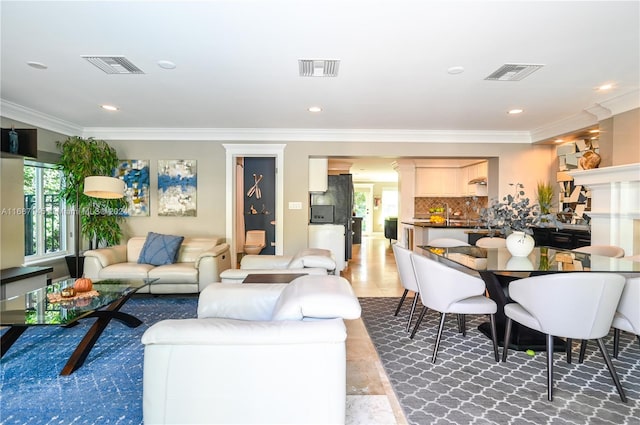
(370, 398)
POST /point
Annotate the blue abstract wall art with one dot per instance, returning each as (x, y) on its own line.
(135, 174)
(177, 187)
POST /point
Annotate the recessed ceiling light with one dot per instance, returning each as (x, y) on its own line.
(166, 64)
(37, 65)
(605, 87)
(515, 111)
(455, 70)
(109, 107)
(314, 109)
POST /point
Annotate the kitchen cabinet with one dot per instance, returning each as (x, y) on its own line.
(436, 182)
(561, 238)
(469, 173)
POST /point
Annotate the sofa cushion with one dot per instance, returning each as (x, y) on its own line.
(321, 297)
(160, 249)
(126, 271)
(313, 257)
(175, 273)
(242, 302)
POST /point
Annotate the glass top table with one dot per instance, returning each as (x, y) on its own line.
(497, 268)
(542, 259)
(44, 306)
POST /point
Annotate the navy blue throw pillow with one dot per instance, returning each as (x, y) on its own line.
(160, 249)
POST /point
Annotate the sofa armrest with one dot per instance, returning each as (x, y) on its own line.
(214, 252)
(97, 259)
(215, 331)
(108, 256)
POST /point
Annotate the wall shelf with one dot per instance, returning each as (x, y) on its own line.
(27, 143)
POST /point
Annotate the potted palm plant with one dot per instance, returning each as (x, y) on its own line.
(97, 219)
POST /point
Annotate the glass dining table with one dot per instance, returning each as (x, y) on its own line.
(497, 268)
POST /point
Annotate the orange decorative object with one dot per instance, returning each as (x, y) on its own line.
(83, 284)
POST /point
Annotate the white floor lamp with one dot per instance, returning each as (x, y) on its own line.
(102, 187)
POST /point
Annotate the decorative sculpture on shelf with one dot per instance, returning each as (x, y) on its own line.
(589, 160)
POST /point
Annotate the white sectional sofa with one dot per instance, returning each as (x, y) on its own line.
(312, 261)
(256, 354)
(199, 262)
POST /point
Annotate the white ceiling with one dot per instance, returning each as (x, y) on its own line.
(236, 75)
(237, 62)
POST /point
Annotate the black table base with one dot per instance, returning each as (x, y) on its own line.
(522, 338)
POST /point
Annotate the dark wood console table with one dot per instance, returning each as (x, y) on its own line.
(20, 280)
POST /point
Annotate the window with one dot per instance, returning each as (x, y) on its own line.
(389, 203)
(44, 219)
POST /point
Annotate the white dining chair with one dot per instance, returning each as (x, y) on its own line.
(569, 305)
(626, 318)
(488, 242)
(407, 279)
(603, 250)
(448, 290)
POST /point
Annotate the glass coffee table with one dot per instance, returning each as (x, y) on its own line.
(45, 307)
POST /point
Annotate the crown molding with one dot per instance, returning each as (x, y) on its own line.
(307, 135)
(622, 103)
(582, 120)
(38, 119)
(591, 115)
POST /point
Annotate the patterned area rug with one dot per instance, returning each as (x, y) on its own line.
(107, 389)
(467, 386)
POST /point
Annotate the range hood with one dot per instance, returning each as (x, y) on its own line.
(479, 180)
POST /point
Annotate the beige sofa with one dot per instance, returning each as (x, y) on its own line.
(312, 261)
(200, 262)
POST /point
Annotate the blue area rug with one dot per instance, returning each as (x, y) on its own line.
(107, 389)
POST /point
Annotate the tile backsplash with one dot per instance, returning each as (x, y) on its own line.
(467, 207)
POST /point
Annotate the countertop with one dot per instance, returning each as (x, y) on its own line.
(463, 224)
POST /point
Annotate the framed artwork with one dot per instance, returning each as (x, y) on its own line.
(135, 173)
(177, 187)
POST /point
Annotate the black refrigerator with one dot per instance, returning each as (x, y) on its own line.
(339, 194)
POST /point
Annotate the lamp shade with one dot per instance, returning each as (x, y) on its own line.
(103, 187)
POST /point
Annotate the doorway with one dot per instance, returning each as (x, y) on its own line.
(363, 205)
(235, 236)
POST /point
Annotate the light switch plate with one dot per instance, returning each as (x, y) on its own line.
(295, 205)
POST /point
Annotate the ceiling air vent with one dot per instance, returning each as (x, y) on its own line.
(114, 64)
(513, 72)
(318, 67)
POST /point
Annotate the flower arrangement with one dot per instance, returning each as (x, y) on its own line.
(515, 213)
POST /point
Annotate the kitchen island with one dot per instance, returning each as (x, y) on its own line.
(425, 231)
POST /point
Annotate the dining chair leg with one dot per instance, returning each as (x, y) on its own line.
(612, 370)
(415, 328)
(494, 336)
(413, 310)
(550, 367)
(507, 338)
(616, 342)
(583, 350)
(463, 321)
(435, 348)
(404, 295)
(568, 345)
